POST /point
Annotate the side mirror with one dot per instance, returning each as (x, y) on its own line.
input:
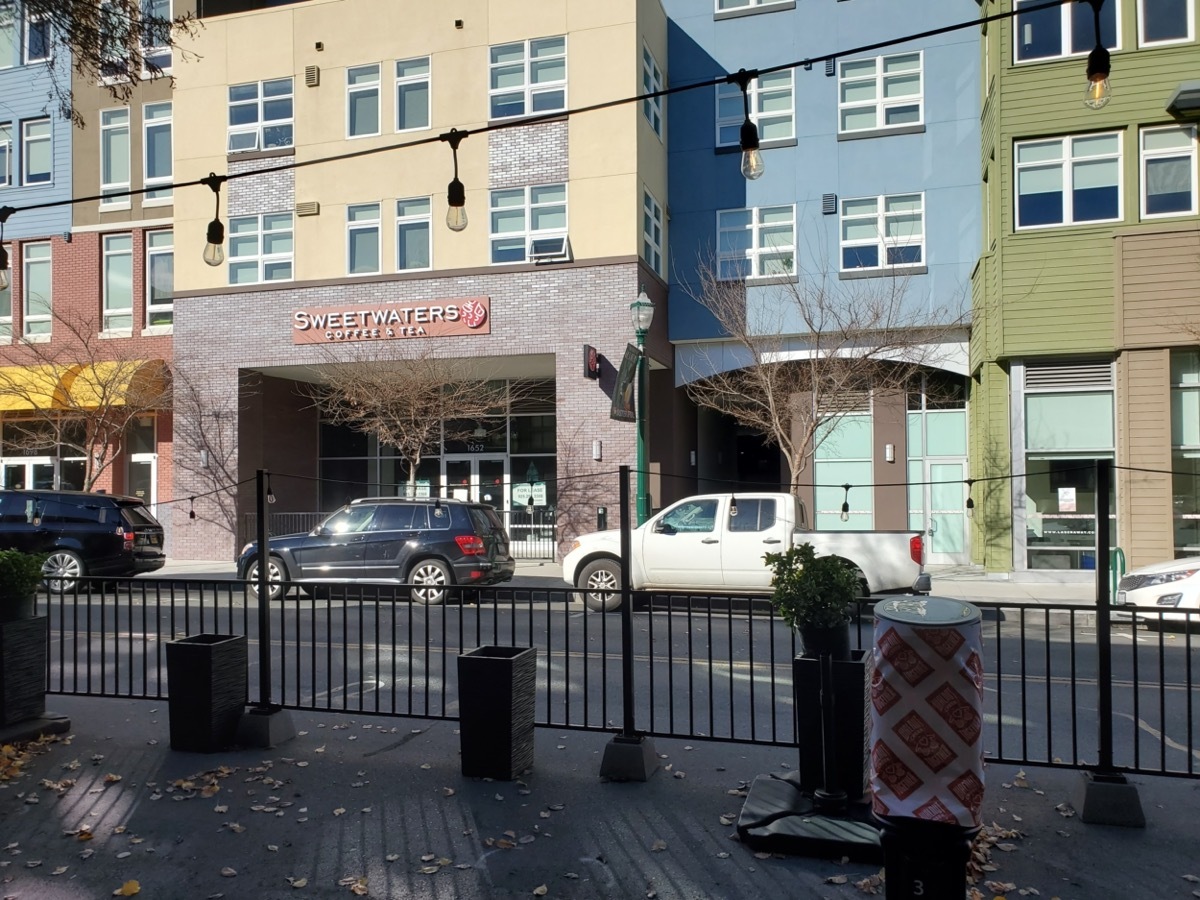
(661, 527)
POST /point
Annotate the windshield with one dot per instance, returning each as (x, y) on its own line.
(349, 519)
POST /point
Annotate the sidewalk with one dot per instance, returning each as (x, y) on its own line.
(380, 802)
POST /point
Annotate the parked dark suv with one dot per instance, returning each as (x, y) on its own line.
(431, 544)
(83, 533)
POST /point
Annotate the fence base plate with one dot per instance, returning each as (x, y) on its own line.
(265, 727)
(778, 818)
(1110, 800)
(629, 759)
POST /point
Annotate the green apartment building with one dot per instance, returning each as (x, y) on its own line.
(1086, 298)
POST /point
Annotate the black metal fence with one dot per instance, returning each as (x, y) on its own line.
(703, 666)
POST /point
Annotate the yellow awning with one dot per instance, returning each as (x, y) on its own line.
(84, 386)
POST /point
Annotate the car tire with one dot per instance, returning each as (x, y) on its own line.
(63, 570)
(601, 580)
(276, 578)
(430, 578)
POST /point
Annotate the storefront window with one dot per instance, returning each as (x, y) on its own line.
(1185, 450)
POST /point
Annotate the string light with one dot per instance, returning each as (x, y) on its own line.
(732, 506)
(270, 493)
(456, 194)
(752, 161)
(1098, 66)
(970, 501)
(846, 503)
(214, 252)
(192, 507)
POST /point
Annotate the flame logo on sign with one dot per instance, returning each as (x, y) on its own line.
(472, 313)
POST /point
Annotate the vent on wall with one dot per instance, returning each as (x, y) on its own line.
(308, 208)
(828, 204)
(312, 76)
(830, 67)
(1075, 376)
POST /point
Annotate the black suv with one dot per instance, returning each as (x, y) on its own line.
(83, 533)
(431, 544)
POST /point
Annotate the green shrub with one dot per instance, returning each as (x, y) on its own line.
(812, 590)
(20, 574)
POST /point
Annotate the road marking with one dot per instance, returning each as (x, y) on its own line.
(1145, 726)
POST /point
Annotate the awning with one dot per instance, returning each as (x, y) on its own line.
(139, 382)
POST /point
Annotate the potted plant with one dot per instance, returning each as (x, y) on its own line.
(816, 596)
(20, 577)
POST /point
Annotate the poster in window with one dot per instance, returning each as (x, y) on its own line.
(623, 409)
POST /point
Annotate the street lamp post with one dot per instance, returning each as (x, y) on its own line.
(642, 312)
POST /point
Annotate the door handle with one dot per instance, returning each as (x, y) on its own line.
(932, 526)
(710, 541)
(772, 541)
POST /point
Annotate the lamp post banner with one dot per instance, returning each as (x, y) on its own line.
(623, 407)
(392, 321)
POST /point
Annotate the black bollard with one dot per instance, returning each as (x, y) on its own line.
(924, 860)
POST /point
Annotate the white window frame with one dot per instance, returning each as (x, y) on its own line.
(529, 208)
(259, 125)
(153, 306)
(1065, 161)
(47, 318)
(1145, 156)
(1191, 27)
(10, 32)
(6, 154)
(529, 89)
(403, 81)
(652, 232)
(720, 6)
(364, 87)
(403, 219)
(26, 141)
(731, 94)
(881, 104)
(354, 226)
(759, 250)
(261, 259)
(112, 314)
(652, 80)
(109, 130)
(881, 241)
(28, 21)
(6, 294)
(152, 50)
(158, 188)
(1066, 11)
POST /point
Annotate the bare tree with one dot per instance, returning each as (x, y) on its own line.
(79, 392)
(800, 355)
(116, 43)
(406, 397)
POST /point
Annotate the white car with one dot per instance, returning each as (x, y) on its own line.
(1172, 589)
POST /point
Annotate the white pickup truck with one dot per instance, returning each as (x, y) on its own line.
(715, 543)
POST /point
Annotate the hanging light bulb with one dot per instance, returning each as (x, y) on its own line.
(191, 507)
(752, 161)
(214, 252)
(970, 501)
(732, 506)
(846, 504)
(270, 493)
(456, 194)
(1098, 67)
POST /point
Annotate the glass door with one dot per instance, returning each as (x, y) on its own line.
(142, 478)
(29, 473)
(478, 478)
(946, 502)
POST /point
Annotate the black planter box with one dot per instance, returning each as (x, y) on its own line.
(22, 669)
(852, 725)
(206, 690)
(496, 688)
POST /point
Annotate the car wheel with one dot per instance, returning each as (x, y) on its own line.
(62, 569)
(602, 582)
(275, 578)
(430, 578)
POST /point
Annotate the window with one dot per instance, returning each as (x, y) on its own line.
(1169, 171)
(37, 38)
(884, 92)
(260, 248)
(36, 156)
(37, 288)
(118, 282)
(156, 36)
(519, 215)
(157, 152)
(9, 36)
(771, 109)
(114, 156)
(1067, 181)
(260, 115)
(1165, 21)
(362, 239)
(6, 309)
(362, 100)
(880, 232)
(1056, 31)
(652, 232)
(121, 54)
(413, 234)
(5, 154)
(412, 94)
(756, 243)
(652, 80)
(528, 77)
(160, 277)
(723, 5)
(752, 514)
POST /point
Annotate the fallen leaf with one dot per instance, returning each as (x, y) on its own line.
(274, 848)
(111, 778)
(339, 811)
(229, 871)
(297, 882)
(430, 870)
(392, 857)
(447, 792)
(59, 870)
(1192, 878)
(128, 889)
(837, 879)
(658, 846)
(541, 891)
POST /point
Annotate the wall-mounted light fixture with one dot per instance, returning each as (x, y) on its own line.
(889, 453)
(203, 458)
(597, 450)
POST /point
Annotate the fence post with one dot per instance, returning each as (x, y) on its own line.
(1108, 797)
(629, 756)
(264, 724)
